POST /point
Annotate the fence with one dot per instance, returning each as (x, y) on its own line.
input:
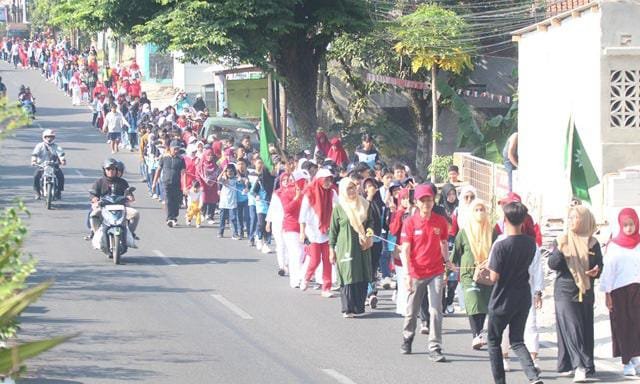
(491, 182)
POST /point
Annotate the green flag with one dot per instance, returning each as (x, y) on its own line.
(267, 136)
(582, 174)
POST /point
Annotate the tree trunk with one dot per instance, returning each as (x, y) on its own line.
(434, 115)
(334, 107)
(421, 119)
(298, 64)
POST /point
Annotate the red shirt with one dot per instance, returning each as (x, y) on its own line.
(291, 208)
(424, 237)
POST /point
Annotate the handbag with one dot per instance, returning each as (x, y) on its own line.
(481, 274)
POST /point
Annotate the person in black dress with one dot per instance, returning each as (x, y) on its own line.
(577, 259)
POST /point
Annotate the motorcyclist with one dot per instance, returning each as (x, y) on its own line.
(112, 182)
(45, 151)
(25, 95)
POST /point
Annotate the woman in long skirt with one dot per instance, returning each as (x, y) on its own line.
(621, 281)
(471, 249)
(577, 258)
(350, 248)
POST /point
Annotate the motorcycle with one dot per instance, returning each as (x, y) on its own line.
(27, 107)
(115, 237)
(49, 182)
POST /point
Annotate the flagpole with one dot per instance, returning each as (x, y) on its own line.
(572, 127)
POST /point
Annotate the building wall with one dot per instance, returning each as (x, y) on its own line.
(621, 47)
(244, 97)
(558, 72)
(191, 77)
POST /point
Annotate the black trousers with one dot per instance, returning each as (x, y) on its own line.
(38, 175)
(173, 196)
(516, 321)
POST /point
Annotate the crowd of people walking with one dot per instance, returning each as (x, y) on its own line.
(356, 224)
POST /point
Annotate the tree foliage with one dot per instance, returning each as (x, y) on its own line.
(433, 36)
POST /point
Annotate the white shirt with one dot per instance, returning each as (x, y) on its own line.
(275, 214)
(115, 121)
(621, 267)
(309, 217)
(194, 197)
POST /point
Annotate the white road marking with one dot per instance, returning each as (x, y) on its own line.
(164, 258)
(340, 378)
(232, 307)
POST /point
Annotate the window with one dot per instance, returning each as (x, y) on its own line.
(625, 98)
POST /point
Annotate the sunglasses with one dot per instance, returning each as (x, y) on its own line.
(111, 168)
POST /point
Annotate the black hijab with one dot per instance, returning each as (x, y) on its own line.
(444, 203)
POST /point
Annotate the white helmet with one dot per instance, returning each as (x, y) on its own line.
(48, 133)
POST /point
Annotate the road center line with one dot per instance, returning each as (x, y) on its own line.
(232, 307)
(340, 378)
(164, 258)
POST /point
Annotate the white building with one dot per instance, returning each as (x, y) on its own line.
(583, 63)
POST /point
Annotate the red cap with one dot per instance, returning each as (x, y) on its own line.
(511, 197)
(422, 190)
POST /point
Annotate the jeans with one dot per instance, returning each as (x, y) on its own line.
(133, 139)
(243, 218)
(209, 210)
(231, 215)
(384, 262)
(510, 168)
(516, 321)
(431, 287)
(261, 230)
(253, 222)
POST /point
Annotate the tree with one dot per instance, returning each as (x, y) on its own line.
(289, 37)
(433, 38)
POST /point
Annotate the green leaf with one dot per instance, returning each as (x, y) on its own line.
(12, 358)
(14, 305)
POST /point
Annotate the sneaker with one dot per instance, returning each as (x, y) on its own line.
(175, 223)
(197, 225)
(281, 272)
(405, 348)
(424, 328)
(327, 294)
(210, 222)
(476, 343)
(449, 310)
(580, 376)
(629, 369)
(188, 222)
(235, 237)
(259, 244)
(538, 381)
(373, 302)
(347, 315)
(506, 364)
(304, 285)
(266, 249)
(155, 196)
(437, 356)
(170, 223)
(220, 235)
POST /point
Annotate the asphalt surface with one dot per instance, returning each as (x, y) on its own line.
(187, 307)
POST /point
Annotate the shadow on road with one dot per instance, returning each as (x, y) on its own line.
(152, 260)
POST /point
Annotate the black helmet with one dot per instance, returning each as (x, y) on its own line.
(109, 163)
(120, 167)
(22, 88)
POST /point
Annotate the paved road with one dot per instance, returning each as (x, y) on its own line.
(188, 307)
